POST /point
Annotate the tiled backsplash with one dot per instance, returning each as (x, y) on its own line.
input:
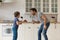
(51, 18)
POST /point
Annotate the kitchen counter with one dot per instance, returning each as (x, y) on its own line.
(27, 22)
(29, 31)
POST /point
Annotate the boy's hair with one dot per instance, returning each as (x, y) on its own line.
(16, 13)
(34, 9)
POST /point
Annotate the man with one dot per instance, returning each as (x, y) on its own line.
(36, 17)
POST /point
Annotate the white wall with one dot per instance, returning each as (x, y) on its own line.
(58, 10)
(7, 9)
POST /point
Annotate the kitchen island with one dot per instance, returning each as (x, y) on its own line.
(29, 31)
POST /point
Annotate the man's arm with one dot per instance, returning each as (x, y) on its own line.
(45, 20)
(35, 21)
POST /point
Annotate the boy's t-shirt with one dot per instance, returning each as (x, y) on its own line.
(14, 23)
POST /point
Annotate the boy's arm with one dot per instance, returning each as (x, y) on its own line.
(18, 22)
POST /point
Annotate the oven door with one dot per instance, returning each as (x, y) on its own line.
(7, 30)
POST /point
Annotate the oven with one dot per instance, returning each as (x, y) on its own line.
(6, 30)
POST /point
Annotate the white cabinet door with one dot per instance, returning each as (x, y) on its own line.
(21, 32)
(29, 32)
(36, 28)
(25, 32)
(57, 32)
(0, 31)
(52, 33)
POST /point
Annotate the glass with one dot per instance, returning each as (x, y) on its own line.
(55, 5)
(47, 5)
(39, 0)
(43, 0)
(44, 9)
(55, 9)
(26, 0)
(35, 4)
(47, 9)
(52, 1)
(43, 5)
(35, 0)
(52, 5)
(39, 4)
(55, 0)
(38, 9)
(30, 1)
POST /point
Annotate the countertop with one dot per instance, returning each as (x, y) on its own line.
(10, 21)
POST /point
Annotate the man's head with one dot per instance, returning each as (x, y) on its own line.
(17, 14)
(33, 11)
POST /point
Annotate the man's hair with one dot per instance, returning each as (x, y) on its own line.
(34, 9)
(16, 13)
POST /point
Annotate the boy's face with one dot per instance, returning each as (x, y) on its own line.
(32, 12)
(18, 16)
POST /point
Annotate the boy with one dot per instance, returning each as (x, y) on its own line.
(43, 20)
(16, 25)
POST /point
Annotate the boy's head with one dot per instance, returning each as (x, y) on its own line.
(17, 14)
(33, 11)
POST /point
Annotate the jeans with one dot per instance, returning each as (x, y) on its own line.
(15, 33)
(44, 31)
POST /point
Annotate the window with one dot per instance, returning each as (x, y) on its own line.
(54, 6)
(42, 5)
(45, 5)
(28, 5)
(37, 5)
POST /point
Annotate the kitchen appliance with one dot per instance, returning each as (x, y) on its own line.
(6, 30)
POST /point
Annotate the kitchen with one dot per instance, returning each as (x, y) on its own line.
(27, 31)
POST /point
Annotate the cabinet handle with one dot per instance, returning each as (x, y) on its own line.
(29, 27)
(55, 25)
(37, 27)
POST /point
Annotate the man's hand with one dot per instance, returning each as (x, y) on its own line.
(20, 22)
(35, 22)
(45, 27)
(25, 21)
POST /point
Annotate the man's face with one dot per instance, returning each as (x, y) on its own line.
(32, 12)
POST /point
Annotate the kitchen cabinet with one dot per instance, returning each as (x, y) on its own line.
(7, 1)
(21, 32)
(0, 31)
(53, 33)
(29, 31)
(26, 32)
(6, 31)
